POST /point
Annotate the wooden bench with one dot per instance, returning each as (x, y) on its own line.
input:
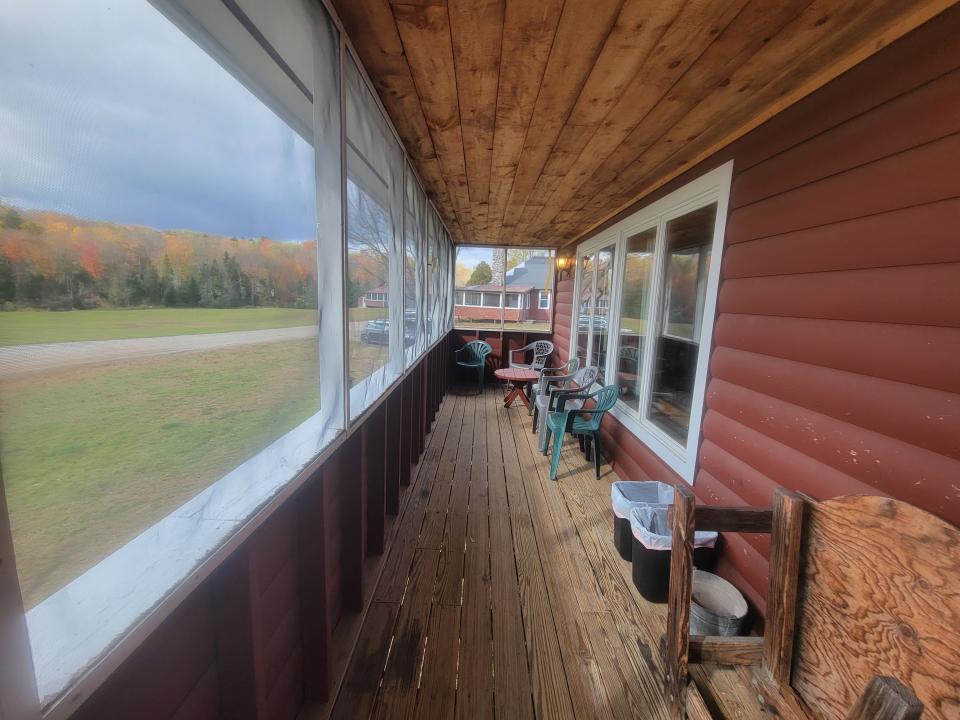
(863, 610)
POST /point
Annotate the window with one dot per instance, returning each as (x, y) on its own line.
(201, 246)
(190, 213)
(652, 278)
(375, 250)
(594, 309)
(689, 239)
(503, 288)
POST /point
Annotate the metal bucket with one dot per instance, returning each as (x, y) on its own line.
(718, 608)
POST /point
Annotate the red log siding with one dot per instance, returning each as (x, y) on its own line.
(263, 634)
(837, 341)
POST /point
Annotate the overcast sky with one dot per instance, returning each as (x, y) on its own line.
(107, 111)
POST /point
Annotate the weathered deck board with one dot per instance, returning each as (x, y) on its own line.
(548, 623)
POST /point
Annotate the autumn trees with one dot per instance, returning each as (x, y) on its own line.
(49, 260)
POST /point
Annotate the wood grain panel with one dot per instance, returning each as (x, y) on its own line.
(879, 579)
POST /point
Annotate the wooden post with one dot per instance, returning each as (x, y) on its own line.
(678, 611)
(233, 599)
(314, 628)
(886, 698)
(784, 578)
(374, 464)
(393, 438)
(352, 522)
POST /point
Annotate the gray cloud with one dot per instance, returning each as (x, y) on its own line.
(108, 111)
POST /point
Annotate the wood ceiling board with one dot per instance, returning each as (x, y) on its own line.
(536, 122)
(687, 38)
(580, 36)
(425, 34)
(637, 30)
(374, 34)
(781, 73)
(528, 32)
(476, 30)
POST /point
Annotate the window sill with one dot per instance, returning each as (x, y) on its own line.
(673, 454)
(81, 633)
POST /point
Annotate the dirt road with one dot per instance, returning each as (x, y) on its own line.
(21, 360)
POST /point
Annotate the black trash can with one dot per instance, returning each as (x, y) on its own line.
(652, 539)
(628, 494)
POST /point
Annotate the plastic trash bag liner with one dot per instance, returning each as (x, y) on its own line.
(649, 525)
(626, 494)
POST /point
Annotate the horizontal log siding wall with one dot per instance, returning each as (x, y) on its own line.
(836, 359)
(271, 629)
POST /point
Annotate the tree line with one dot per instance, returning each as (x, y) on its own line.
(59, 262)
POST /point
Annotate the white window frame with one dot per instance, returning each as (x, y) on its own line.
(712, 187)
(544, 295)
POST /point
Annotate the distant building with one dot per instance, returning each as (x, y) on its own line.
(526, 295)
(375, 297)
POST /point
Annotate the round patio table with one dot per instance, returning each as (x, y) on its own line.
(519, 378)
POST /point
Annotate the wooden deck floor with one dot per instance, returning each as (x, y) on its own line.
(503, 595)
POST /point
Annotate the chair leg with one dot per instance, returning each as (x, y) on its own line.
(596, 452)
(583, 448)
(555, 460)
(480, 380)
(546, 440)
(535, 412)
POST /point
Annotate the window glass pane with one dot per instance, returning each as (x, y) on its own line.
(689, 239)
(169, 217)
(512, 300)
(479, 273)
(544, 302)
(529, 271)
(634, 307)
(586, 308)
(368, 275)
(601, 310)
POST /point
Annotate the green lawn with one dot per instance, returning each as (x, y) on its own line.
(40, 326)
(93, 456)
(361, 313)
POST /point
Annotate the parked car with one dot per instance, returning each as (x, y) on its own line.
(376, 332)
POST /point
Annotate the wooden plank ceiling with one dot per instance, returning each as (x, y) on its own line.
(534, 121)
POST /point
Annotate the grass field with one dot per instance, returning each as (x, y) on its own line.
(40, 326)
(93, 456)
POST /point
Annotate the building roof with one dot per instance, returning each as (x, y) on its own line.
(531, 274)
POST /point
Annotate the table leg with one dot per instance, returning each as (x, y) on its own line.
(511, 396)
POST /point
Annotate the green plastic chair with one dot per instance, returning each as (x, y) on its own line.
(562, 421)
(473, 355)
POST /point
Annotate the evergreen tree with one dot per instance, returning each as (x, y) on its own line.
(170, 298)
(8, 282)
(482, 274)
(12, 220)
(191, 293)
